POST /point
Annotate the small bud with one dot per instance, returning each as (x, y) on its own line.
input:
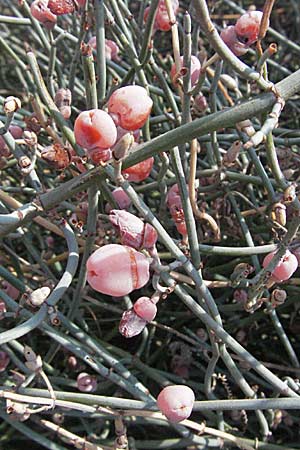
(33, 361)
(241, 271)
(278, 214)
(30, 138)
(123, 146)
(86, 382)
(63, 100)
(278, 297)
(36, 298)
(232, 153)
(289, 194)
(24, 162)
(246, 127)
(11, 105)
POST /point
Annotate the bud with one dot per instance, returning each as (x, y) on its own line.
(33, 361)
(123, 146)
(289, 194)
(241, 271)
(30, 138)
(246, 127)
(17, 411)
(232, 153)
(86, 382)
(11, 105)
(133, 231)
(278, 297)
(36, 298)
(278, 213)
(63, 100)
(229, 82)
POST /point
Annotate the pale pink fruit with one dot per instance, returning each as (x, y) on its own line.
(117, 270)
(195, 69)
(145, 308)
(86, 382)
(111, 48)
(176, 402)
(162, 21)
(121, 198)
(247, 27)
(95, 129)
(133, 231)
(130, 107)
(40, 11)
(81, 3)
(140, 171)
(285, 268)
(121, 132)
(230, 38)
(131, 324)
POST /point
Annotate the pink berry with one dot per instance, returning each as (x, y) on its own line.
(111, 48)
(176, 402)
(162, 21)
(81, 3)
(86, 382)
(133, 231)
(130, 106)
(121, 198)
(195, 69)
(40, 11)
(247, 27)
(285, 268)
(145, 308)
(131, 324)
(95, 128)
(60, 7)
(117, 270)
(140, 171)
(230, 38)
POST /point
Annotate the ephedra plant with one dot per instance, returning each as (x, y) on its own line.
(149, 219)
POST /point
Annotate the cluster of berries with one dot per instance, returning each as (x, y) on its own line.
(244, 33)
(118, 269)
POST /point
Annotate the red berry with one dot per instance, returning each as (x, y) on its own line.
(95, 129)
(130, 107)
(285, 268)
(140, 171)
(230, 38)
(176, 402)
(59, 7)
(247, 27)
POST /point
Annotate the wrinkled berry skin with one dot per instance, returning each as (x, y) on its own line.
(40, 11)
(131, 324)
(230, 38)
(285, 268)
(145, 308)
(130, 107)
(60, 7)
(140, 171)
(99, 155)
(95, 129)
(195, 69)
(176, 402)
(133, 231)
(117, 270)
(247, 27)
(121, 198)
